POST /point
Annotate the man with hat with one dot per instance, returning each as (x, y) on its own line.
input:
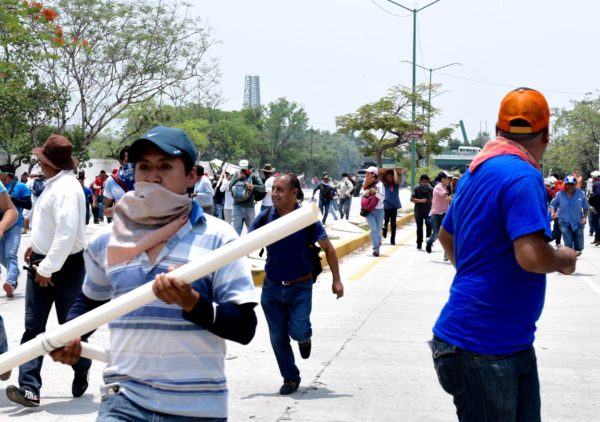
(570, 207)
(269, 172)
(167, 358)
(242, 187)
(55, 260)
(20, 195)
(497, 239)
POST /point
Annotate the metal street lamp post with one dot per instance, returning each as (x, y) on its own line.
(413, 150)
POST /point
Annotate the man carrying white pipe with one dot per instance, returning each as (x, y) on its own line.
(167, 357)
(287, 290)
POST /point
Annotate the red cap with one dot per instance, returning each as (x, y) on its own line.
(523, 104)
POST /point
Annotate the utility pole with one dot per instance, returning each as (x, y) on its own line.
(413, 147)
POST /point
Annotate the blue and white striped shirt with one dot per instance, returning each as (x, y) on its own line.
(161, 361)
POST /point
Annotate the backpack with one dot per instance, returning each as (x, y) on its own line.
(258, 196)
(315, 257)
(240, 192)
(328, 192)
(38, 187)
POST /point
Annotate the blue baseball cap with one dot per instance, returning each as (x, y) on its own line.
(172, 141)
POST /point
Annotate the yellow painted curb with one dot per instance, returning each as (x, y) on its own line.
(342, 248)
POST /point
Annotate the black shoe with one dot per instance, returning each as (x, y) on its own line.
(384, 232)
(80, 383)
(375, 253)
(419, 247)
(305, 349)
(23, 396)
(288, 387)
(428, 247)
(392, 241)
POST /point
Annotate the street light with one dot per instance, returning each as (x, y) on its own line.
(413, 150)
(431, 70)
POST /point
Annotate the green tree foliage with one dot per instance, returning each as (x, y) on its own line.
(284, 124)
(481, 139)
(28, 36)
(383, 125)
(122, 53)
(575, 139)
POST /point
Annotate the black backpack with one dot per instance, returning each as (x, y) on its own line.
(38, 187)
(328, 192)
(315, 257)
(258, 196)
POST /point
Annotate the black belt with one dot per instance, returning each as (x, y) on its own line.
(297, 280)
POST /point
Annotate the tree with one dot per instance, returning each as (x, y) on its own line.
(119, 54)
(575, 138)
(284, 123)
(481, 139)
(383, 125)
(28, 36)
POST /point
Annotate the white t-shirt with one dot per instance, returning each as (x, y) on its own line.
(228, 205)
(268, 200)
(112, 190)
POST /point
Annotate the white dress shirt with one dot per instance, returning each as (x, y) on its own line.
(268, 200)
(58, 229)
(228, 205)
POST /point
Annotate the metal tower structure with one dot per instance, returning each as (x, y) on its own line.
(252, 91)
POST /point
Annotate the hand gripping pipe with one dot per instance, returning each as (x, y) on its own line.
(58, 337)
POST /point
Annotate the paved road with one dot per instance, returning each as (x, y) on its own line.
(370, 361)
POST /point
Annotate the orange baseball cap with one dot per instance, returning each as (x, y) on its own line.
(524, 104)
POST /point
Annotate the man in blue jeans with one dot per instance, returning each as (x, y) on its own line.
(20, 195)
(287, 289)
(497, 239)
(242, 189)
(571, 207)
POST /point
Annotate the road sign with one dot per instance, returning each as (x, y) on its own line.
(415, 134)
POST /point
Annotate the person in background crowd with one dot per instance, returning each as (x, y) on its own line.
(345, 188)
(287, 289)
(242, 188)
(167, 358)
(98, 201)
(203, 191)
(10, 239)
(228, 203)
(36, 186)
(326, 195)
(87, 192)
(119, 183)
(391, 203)
(373, 187)
(55, 260)
(421, 197)
(570, 207)
(439, 206)
(10, 215)
(219, 197)
(594, 202)
(495, 233)
(269, 172)
(24, 177)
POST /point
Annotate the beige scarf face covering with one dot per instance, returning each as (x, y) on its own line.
(144, 220)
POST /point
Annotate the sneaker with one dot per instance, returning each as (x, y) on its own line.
(578, 253)
(288, 387)
(384, 232)
(9, 289)
(305, 349)
(5, 376)
(23, 396)
(375, 253)
(428, 247)
(80, 383)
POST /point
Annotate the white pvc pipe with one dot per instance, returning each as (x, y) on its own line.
(58, 337)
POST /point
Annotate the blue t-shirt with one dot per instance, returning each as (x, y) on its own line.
(20, 191)
(392, 198)
(289, 258)
(87, 192)
(494, 303)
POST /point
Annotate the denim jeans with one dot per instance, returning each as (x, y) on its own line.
(3, 338)
(436, 223)
(345, 207)
(572, 238)
(420, 219)
(333, 207)
(287, 311)
(324, 208)
(219, 211)
(487, 388)
(375, 220)
(595, 223)
(242, 215)
(38, 303)
(118, 408)
(9, 247)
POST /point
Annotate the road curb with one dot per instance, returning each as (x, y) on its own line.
(342, 248)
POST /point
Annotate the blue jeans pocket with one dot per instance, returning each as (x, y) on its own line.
(445, 362)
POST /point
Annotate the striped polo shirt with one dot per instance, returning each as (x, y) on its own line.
(161, 361)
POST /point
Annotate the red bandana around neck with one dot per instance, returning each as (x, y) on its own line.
(502, 146)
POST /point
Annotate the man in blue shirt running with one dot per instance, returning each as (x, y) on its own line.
(497, 239)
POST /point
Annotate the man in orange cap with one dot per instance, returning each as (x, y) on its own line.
(497, 239)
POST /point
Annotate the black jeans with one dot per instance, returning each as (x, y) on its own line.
(389, 216)
(324, 207)
(38, 303)
(419, 219)
(487, 388)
